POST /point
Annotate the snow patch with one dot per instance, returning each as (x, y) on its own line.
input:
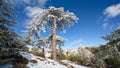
(45, 63)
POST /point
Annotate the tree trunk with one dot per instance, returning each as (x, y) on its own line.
(54, 41)
(28, 38)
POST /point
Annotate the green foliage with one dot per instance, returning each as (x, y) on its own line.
(9, 40)
(93, 49)
(25, 49)
(110, 52)
(61, 57)
(7, 13)
(77, 59)
(113, 62)
(115, 35)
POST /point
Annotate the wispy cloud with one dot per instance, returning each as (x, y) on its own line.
(112, 11)
(78, 42)
(38, 3)
(30, 11)
(30, 6)
(105, 25)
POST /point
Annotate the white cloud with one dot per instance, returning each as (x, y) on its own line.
(105, 25)
(112, 11)
(32, 10)
(77, 42)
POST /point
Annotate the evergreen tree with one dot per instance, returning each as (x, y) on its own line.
(8, 38)
(7, 13)
(54, 18)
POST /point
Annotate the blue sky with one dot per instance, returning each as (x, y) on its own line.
(96, 18)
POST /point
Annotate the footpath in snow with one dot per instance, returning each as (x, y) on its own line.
(46, 63)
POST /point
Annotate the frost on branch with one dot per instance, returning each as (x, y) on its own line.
(63, 18)
(47, 42)
(44, 19)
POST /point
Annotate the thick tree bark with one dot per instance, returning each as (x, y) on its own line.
(54, 40)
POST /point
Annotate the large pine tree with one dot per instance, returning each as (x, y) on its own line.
(55, 19)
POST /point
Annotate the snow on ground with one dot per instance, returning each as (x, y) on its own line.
(45, 63)
(73, 64)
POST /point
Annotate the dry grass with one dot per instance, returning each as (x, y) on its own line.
(66, 64)
(20, 65)
(41, 59)
(34, 61)
(41, 54)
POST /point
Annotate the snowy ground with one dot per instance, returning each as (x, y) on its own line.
(45, 63)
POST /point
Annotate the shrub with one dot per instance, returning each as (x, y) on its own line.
(41, 59)
(22, 60)
(94, 50)
(20, 65)
(66, 64)
(41, 54)
(113, 62)
(33, 61)
(62, 57)
(78, 60)
(25, 49)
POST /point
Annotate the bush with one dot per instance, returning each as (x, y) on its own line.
(19, 65)
(78, 60)
(33, 61)
(94, 50)
(41, 54)
(41, 59)
(62, 57)
(113, 62)
(66, 64)
(22, 60)
(25, 49)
